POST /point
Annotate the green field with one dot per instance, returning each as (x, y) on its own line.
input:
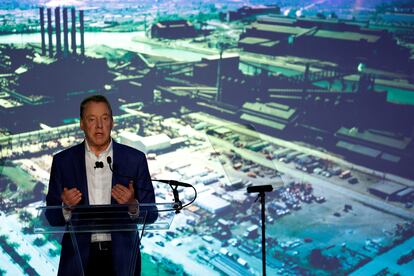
(23, 180)
(150, 268)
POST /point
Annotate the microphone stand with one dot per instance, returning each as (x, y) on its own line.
(178, 205)
(263, 210)
(261, 190)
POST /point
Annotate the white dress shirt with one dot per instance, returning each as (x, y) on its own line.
(99, 182)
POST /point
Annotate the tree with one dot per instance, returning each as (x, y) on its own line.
(12, 187)
(26, 257)
(318, 260)
(53, 252)
(39, 242)
(25, 216)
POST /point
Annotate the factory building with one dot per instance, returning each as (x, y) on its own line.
(205, 72)
(212, 203)
(64, 77)
(274, 115)
(319, 39)
(147, 144)
(62, 65)
(386, 190)
(405, 195)
(173, 29)
(375, 147)
(248, 12)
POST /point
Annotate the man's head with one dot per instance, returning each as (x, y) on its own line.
(96, 122)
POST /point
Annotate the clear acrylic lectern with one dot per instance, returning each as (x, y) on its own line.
(114, 219)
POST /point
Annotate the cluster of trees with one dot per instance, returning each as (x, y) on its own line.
(318, 260)
(6, 183)
(22, 260)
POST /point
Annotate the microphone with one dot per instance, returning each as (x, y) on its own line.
(109, 160)
(173, 182)
(99, 165)
(260, 189)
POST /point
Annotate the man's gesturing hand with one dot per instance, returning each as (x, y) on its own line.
(124, 195)
(71, 197)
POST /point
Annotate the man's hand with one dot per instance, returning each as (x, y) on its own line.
(124, 195)
(71, 197)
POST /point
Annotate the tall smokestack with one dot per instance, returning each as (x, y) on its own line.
(65, 32)
(42, 29)
(73, 31)
(57, 26)
(50, 31)
(82, 33)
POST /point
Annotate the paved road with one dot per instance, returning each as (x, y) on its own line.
(264, 137)
(317, 181)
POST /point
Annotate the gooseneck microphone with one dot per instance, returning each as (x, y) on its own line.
(172, 183)
(98, 165)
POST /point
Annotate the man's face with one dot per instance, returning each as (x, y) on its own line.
(97, 124)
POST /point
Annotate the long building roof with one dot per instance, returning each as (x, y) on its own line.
(387, 187)
(258, 41)
(328, 34)
(277, 28)
(374, 138)
(262, 121)
(271, 109)
(353, 36)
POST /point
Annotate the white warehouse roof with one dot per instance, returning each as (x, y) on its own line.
(145, 144)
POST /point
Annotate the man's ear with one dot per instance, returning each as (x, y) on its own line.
(81, 125)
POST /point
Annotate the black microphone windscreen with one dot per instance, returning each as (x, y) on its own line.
(260, 188)
(109, 160)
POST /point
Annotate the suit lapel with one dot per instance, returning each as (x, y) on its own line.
(80, 168)
(116, 160)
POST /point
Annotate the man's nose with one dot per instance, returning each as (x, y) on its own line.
(99, 123)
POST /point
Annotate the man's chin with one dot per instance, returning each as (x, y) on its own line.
(100, 142)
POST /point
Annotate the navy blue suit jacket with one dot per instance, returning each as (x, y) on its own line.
(68, 170)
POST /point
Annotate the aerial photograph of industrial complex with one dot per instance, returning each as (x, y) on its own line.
(312, 97)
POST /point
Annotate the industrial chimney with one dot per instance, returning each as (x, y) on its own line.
(58, 31)
(50, 31)
(57, 28)
(82, 33)
(42, 29)
(65, 32)
(73, 31)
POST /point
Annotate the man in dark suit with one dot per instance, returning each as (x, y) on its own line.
(81, 175)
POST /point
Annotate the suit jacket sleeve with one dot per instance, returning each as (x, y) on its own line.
(144, 190)
(55, 216)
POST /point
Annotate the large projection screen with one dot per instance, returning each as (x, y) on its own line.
(315, 98)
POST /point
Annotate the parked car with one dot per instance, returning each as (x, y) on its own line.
(353, 180)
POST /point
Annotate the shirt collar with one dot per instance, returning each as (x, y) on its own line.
(105, 152)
